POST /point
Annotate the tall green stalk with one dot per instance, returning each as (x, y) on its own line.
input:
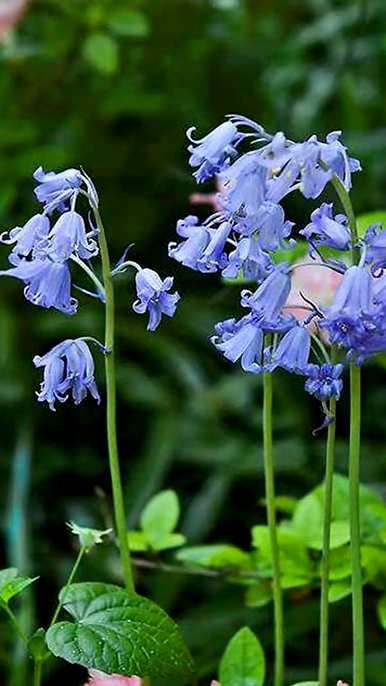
(354, 471)
(116, 480)
(357, 583)
(271, 517)
(327, 514)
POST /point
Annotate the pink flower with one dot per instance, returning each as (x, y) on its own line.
(342, 683)
(101, 679)
(10, 13)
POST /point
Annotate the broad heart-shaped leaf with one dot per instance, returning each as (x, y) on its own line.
(11, 584)
(243, 662)
(119, 632)
(160, 516)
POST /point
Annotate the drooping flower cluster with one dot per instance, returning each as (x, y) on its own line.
(41, 255)
(255, 171)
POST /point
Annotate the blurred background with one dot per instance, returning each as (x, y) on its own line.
(112, 85)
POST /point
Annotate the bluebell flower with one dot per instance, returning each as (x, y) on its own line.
(153, 296)
(68, 367)
(47, 283)
(27, 238)
(334, 154)
(191, 250)
(352, 314)
(293, 351)
(249, 260)
(326, 230)
(269, 299)
(241, 340)
(273, 228)
(69, 236)
(214, 256)
(324, 381)
(55, 190)
(292, 162)
(375, 242)
(212, 153)
(245, 185)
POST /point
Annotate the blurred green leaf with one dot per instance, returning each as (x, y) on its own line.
(160, 517)
(258, 595)
(127, 22)
(11, 584)
(243, 662)
(138, 541)
(295, 562)
(339, 590)
(215, 555)
(381, 608)
(101, 52)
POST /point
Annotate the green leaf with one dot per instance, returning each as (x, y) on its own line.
(138, 542)
(119, 632)
(243, 662)
(339, 536)
(283, 503)
(258, 595)
(340, 563)
(339, 590)
(307, 518)
(101, 52)
(170, 541)
(374, 563)
(381, 609)
(160, 517)
(294, 558)
(215, 555)
(365, 220)
(11, 584)
(127, 22)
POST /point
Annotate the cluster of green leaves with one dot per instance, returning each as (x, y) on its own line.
(300, 545)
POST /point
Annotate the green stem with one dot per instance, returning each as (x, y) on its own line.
(357, 584)
(90, 274)
(15, 623)
(38, 672)
(271, 516)
(354, 469)
(327, 515)
(115, 472)
(69, 582)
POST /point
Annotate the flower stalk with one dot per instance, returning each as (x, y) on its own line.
(354, 473)
(115, 472)
(327, 516)
(271, 517)
(357, 582)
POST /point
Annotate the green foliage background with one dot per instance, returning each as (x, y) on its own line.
(112, 85)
